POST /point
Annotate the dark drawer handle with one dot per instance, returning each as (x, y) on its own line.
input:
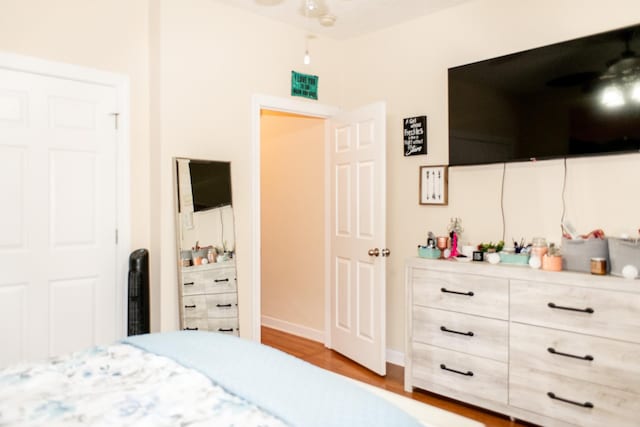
(553, 351)
(445, 329)
(584, 405)
(581, 310)
(189, 284)
(467, 374)
(225, 330)
(221, 280)
(469, 294)
(223, 305)
(190, 329)
(190, 306)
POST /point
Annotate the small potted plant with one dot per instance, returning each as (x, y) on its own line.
(491, 247)
(552, 260)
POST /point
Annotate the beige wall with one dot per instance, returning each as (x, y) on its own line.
(203, 62)
(292, 218)
(213, 59)
(82, 33)
(110, 35)
(407, 67)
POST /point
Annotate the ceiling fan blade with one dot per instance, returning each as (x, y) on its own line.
(575, 79)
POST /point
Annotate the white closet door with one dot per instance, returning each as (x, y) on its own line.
(57, 216)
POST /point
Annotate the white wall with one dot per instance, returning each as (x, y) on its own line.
(213, 227)
(407, 67)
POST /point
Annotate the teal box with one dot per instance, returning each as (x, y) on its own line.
(518, 259)
(431, 253)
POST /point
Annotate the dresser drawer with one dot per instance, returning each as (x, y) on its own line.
(194, 307)
(479, 336)
(222, 305)
(465, 293)
(209, 281)
(201, 324)
(221, 283)
(602, 361)
(458, 372)
(603, 313)
(225, 325)
(529, 389)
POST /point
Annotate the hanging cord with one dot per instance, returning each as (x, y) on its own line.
(564, 188)
(222, 230)
(504, 171)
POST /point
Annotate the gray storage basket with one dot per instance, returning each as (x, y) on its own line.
(577, 253)
(623, 252)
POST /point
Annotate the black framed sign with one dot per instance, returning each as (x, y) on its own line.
(415, 135)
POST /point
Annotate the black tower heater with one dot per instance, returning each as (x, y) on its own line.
(138, 300)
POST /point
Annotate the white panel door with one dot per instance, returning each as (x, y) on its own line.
(57, 217)
(358, 189)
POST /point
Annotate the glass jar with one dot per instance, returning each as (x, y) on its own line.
(539, 247)
(211, 255)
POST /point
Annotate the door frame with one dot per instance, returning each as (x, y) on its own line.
(286, 105)
(120, 83)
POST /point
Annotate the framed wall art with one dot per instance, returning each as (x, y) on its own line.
(434, 182)
(414, 131)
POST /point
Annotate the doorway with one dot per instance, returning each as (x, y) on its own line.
(292, 218)
(354, 224)
(286, 106)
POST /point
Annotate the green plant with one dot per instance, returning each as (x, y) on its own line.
(490, 247)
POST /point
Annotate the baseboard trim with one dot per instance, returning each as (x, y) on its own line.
(293, 329)
(393, 356)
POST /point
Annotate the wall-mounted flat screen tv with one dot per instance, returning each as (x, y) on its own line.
(210, 184)
(576, 98)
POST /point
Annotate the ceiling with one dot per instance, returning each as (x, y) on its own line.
(352, 17)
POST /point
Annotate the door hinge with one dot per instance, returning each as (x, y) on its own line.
(116, 236)
(115, 118)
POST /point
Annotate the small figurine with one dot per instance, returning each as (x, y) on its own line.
(455, 230)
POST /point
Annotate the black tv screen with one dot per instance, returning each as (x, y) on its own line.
(576, 98)
(210, 184)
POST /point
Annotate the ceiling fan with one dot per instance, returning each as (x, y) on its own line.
(623, 69)
(318, 9)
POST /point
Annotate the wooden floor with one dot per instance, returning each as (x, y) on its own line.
(316, 353)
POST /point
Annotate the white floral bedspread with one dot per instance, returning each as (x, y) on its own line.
(119, 385)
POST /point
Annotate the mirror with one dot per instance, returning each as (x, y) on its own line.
(205, 233)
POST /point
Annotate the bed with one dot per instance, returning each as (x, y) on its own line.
(192, 378)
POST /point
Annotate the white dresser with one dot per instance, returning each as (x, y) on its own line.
(209, 298)
(552, 348)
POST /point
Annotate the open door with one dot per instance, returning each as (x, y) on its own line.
(357, 165)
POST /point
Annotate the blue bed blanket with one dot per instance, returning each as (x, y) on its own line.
(295, 391)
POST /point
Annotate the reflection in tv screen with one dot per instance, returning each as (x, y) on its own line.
(575, 98)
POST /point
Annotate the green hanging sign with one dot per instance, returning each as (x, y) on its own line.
(304, 85)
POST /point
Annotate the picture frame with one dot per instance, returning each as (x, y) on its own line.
(434, 185)
(414, 134)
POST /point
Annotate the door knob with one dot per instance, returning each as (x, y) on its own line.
(386, 252)
(374, 252)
